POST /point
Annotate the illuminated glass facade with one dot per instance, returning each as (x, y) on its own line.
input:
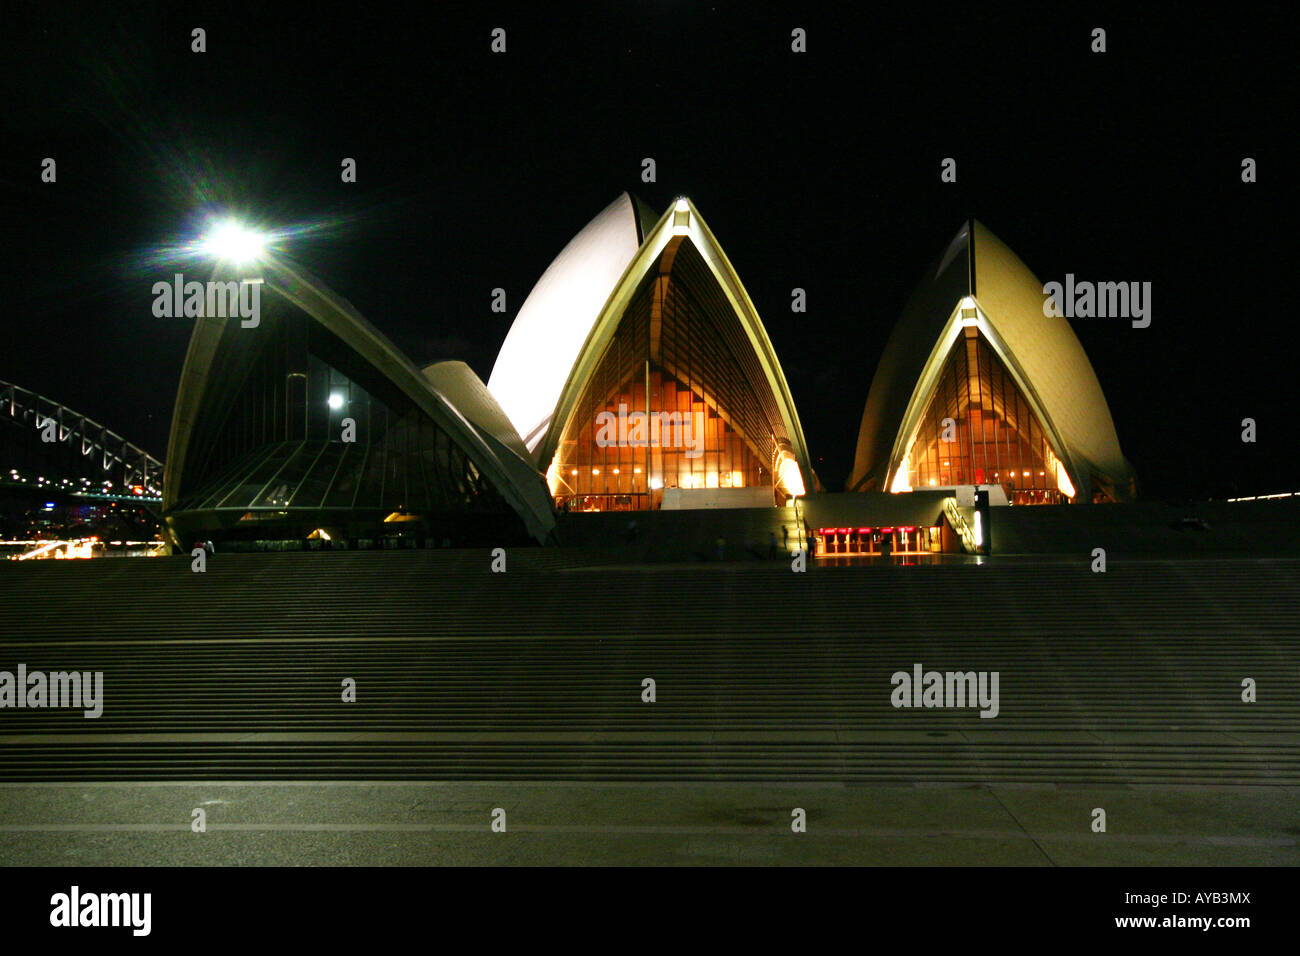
(710, 419)
(299, 437)
(607, 460)
(993, 436)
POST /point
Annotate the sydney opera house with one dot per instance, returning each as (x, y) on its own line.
(637, 377)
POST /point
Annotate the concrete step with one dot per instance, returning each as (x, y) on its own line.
(1133, 675)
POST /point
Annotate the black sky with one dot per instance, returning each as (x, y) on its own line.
(818, 171)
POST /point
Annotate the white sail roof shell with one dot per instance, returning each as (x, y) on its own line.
(553, 323)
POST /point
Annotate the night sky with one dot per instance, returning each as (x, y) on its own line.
(818, 171)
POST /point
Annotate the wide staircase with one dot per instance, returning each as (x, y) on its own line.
(1133, 676)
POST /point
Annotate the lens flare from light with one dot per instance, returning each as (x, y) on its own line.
(231, 242)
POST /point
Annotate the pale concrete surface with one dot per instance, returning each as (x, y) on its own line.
(423, 824)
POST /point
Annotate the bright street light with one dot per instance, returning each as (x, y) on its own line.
(232, 242)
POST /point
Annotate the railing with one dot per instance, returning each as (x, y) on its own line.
(953, 512)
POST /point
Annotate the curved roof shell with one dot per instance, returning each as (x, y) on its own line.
(1041, 352)
(216, 351)
(602, 271)
(553, 323)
